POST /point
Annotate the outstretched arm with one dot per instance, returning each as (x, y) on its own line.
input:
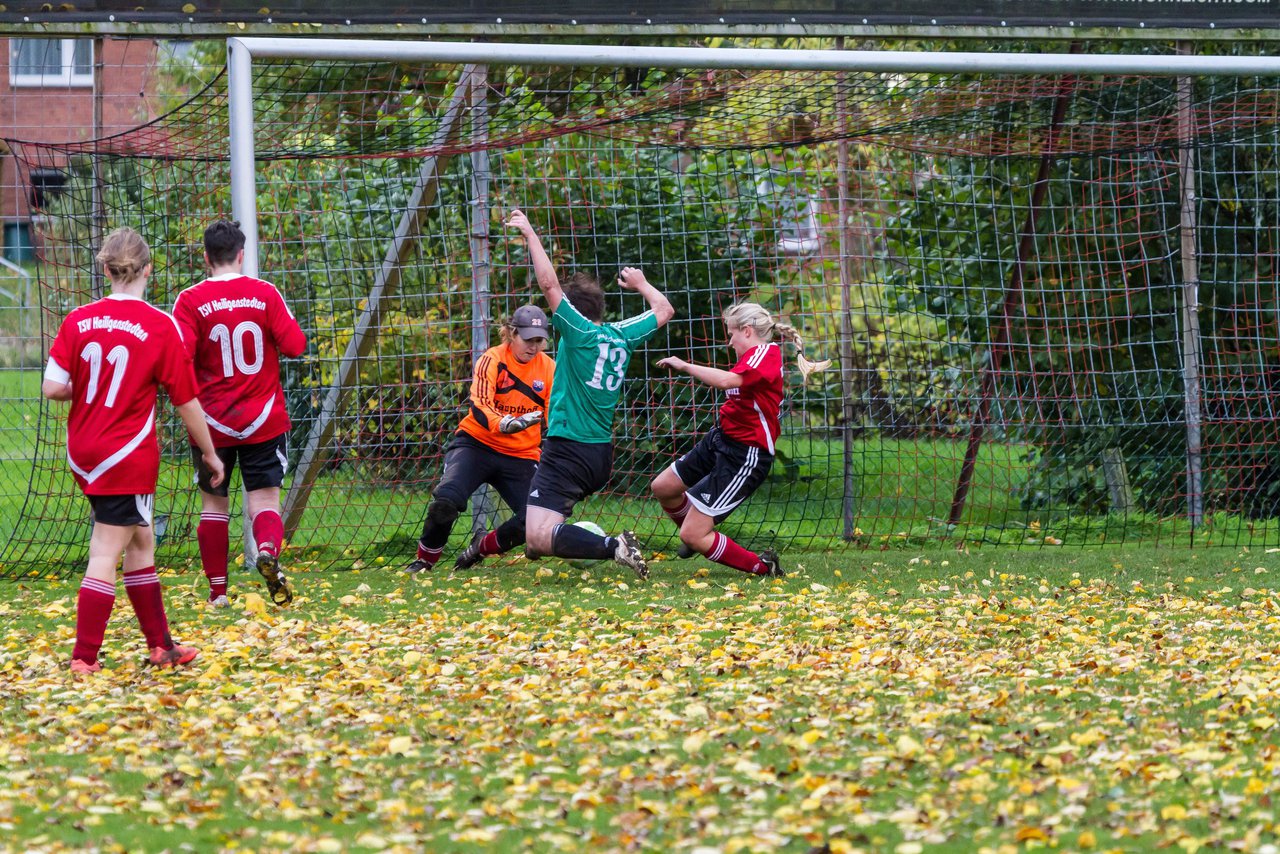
(633, 280)
(713, 377)
(542, 267)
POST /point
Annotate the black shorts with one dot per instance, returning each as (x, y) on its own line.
(122, 510)
(569, 472)
(468, 463)
(262, 465)
(720, 473)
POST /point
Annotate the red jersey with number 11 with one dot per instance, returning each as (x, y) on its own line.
(114, 353)
(236, 327)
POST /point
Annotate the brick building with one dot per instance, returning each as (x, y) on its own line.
(47, 94)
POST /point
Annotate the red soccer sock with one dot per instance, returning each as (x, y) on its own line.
(93, 610)
(429, 556)
(489, 545)
(212, 535)
(143, 588)
(268, 532)
(680, 512)
(725, 551)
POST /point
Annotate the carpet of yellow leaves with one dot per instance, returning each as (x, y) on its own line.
(698, 713)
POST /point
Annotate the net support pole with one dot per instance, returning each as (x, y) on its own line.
(1003, 333)
(387, 280)
(244, 189)
(1187, 223)
(97, 284)
(244, 205)
(483, 506)
(846, 320)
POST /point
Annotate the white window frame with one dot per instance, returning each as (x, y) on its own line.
(68, 75)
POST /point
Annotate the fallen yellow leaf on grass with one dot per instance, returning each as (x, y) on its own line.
(255, 604)
(400, 745)
(908, 747)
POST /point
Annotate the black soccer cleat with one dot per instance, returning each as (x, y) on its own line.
(277, 584)
(417, 565)
(685, 552)
(627, 553)
(769, 557)
(470, 556)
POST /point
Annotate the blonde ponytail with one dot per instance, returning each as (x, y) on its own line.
(787, 332)
(758, 318)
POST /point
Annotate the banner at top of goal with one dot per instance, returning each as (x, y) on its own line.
(1263, 14)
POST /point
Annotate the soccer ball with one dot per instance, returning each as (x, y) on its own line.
(586, 562)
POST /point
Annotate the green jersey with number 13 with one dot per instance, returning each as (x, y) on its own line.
(591, 363)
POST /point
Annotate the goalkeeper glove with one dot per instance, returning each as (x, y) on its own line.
(516, 423)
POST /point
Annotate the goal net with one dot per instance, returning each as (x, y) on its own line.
(1050, 301)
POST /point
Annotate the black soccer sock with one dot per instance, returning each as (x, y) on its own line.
(510, 534)
(572, 541)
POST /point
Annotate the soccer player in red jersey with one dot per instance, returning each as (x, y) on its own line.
(236, 328)
(108, 359)
(704, 486)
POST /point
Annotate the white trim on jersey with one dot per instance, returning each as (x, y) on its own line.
(630, 321)
(757, 357)
(764, 425)
(246, 432)
(119, 296)
(111, 461)
(55, 372)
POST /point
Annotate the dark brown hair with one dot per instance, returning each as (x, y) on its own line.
(584, 291)
(223, 241)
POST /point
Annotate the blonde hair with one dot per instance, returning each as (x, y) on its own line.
(125, 255)
(757, 317)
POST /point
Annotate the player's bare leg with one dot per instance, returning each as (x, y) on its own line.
(671, 491)
(539, 529)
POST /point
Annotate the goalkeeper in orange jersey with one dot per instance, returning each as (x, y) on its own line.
(498, 442)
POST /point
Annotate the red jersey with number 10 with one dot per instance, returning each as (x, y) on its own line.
(750, 413)
(115, 353)
(236, 327)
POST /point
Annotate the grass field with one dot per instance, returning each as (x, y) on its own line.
(879, 701)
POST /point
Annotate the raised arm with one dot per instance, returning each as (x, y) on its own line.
(634, 280)
(542, 267)
(713, 377)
